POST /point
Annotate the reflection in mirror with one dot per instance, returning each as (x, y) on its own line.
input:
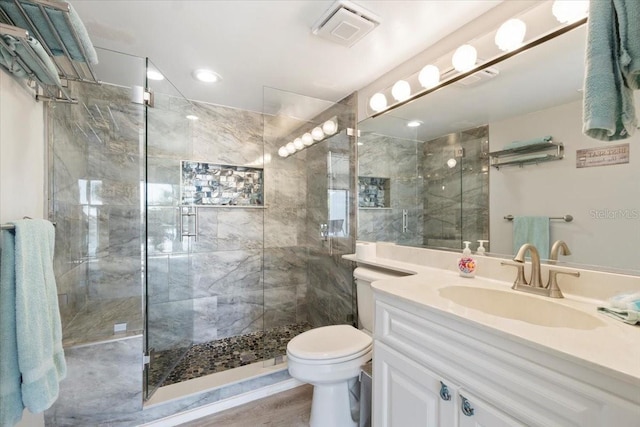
(531, 95)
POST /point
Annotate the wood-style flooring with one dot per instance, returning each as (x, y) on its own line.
(290, 408)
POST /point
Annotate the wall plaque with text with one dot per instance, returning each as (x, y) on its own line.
(602, 156)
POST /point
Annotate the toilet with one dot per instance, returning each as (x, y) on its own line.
(330, 357)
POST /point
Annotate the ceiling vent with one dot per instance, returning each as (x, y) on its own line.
(345, 23)
(475, 78)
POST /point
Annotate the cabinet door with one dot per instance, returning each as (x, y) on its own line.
(474, 412)
(407, 394)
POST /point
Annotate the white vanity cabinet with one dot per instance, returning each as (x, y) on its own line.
(491, 379)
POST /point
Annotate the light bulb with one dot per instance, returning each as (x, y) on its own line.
(307, 139)
(510, 35)
(567, 11)
(414, 123)
(317, 134)
(282, 152)
(464, 58)
(401, 90)
(429, 76)
(452, 164)
(290, 148)
(192, 117)
(330, 127)
(154, 75)
(206, 76)
(298, 143)
(378, 102)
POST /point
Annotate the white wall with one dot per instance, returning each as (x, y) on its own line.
(558, 188)
(22, 152)
(22, 166)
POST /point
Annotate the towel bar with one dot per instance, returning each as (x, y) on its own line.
(566, 218)
(13, 227)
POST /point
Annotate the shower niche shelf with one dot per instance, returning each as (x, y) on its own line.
(212, 184)
(374, 192)
(530, 154)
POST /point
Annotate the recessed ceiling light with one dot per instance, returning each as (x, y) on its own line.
(206, 76)
(154, 75)
(414, 123)
(192, 117)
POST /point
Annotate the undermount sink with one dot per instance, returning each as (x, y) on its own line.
(519, 306)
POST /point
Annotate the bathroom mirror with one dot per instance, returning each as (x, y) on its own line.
(532, 94)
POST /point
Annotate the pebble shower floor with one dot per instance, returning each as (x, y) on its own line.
(227, 353)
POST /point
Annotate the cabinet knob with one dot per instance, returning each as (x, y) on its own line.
(444, 391)
(466, 407)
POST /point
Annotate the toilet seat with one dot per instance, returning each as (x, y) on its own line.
(329, 344)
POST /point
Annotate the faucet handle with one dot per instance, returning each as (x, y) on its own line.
(552, 284)
(520, 279)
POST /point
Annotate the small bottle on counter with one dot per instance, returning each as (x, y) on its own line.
(481, 249)
(466, 264)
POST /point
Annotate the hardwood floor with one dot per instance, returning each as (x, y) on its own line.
(290, 408)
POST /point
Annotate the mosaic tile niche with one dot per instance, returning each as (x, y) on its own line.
(220, 185)
(374, 192)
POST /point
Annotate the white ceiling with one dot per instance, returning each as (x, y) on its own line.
(254, 44)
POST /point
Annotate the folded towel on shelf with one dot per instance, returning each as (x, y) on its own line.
(534, 230)
(528, 142)
(628, 14)
(10, 394)
(65, 29)
(625, 307)
(38, 327)
(33, 56)
(608, 106)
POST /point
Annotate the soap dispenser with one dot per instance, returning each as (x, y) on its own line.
(481, 249)
(466, 264)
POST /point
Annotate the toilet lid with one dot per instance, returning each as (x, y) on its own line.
(329, 342)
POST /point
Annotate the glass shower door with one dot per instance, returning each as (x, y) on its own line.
(170, 231)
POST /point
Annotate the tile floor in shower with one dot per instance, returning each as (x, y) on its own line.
(220, 355)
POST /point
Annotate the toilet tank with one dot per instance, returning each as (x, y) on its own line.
(364, 276)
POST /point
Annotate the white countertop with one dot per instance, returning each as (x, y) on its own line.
(612, 348)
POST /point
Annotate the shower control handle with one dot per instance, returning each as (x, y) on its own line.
(188, 214)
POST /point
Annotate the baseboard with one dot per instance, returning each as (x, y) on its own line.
(232, 402)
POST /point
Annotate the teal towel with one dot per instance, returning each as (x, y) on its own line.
(41, 65)
(625, 307)
(74, 47)
(534, 230)
(38, 327)
(608, 106)
(10, 395)
(527, 142)
(628, 13)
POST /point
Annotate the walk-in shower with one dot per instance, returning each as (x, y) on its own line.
(186, 244)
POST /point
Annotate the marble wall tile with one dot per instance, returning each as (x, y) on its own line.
(157, 289)
(72, 292)
(285, 266)
(284, 227)
(286, 188)
(103, 380)
(240, 314)
(213, 221)
(170, 324)
(114, 277)
(226, 272)
(169, 135)
(280, 306)
(124, 231)
(205, 319)
(181, 277)
(240, 228)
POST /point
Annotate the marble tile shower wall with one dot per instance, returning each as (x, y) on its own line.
(331, 165)
(456, 199)
(225, 281)
(95, 176)
(400, 161)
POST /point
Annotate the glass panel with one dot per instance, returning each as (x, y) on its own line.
(171, 232)
(96, 167)
(310, 216)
